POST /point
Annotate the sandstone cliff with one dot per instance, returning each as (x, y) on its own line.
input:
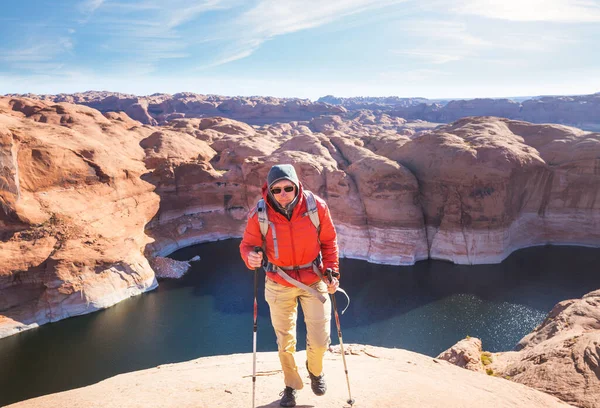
(85, 196)
(379, 377)
(73, 211)
(470, 192)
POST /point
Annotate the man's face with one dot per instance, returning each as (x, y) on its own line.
(284, 197)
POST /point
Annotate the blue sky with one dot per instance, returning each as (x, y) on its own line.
(304, 48)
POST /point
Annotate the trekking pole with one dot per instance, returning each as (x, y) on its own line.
(329, 272)
(257, 249)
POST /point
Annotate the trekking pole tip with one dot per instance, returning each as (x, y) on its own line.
(351, 401)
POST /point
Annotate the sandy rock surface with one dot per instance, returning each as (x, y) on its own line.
(378, 378)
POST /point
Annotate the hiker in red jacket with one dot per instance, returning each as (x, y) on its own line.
(299, 244)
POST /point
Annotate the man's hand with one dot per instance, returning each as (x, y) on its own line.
(255, 259)
(333, 285)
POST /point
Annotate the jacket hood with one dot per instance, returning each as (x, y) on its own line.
(282, 171)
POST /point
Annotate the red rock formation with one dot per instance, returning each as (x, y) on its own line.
(469, 192)
(371, 197)
(489, 186)
(73, 209)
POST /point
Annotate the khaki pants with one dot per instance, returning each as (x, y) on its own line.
(283, 303)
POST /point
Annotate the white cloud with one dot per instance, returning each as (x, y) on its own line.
(43, 51)
(414, 75)
(146, 32)
(563, 11)
(184, 14)
(431, 56)
(439, 42)
(272, 18)
(541, 41)
(439, 30)
(169, 14)
(89, 6)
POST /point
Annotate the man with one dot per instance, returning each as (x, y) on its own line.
(295, 248)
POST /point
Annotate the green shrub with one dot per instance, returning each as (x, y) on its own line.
(486, 358)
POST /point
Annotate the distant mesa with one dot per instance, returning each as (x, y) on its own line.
(581, 111)
(161, 108)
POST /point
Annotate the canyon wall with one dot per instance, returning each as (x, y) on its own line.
(89, 200)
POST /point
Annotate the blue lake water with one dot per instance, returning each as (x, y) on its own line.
(425, 308)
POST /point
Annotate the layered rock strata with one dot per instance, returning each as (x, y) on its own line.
(72, 212)
(207, 201)
(560, 357)
(78, 188)
(489, 186)
(470, 192)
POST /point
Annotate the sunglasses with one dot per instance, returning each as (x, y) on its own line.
(287, 189)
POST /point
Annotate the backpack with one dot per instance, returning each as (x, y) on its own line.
(263, 219)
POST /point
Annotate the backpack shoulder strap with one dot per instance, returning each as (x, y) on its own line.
(263, 222)
(313, 212)
(263, 219)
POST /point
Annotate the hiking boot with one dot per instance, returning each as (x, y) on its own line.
(317, 384)
(288, 398)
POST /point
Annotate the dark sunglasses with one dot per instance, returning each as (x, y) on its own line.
(287, 189)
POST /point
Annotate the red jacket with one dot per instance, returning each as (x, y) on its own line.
(296, 239)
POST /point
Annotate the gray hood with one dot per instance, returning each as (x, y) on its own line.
(283, 172)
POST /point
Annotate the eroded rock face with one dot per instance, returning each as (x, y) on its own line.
(77, 184)
(489, 186)
(470, 192)
(374, 200)
(466, 354)
(560, 357)
(73, 210)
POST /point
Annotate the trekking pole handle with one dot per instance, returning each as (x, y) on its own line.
(258, 249)
(330, 273)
